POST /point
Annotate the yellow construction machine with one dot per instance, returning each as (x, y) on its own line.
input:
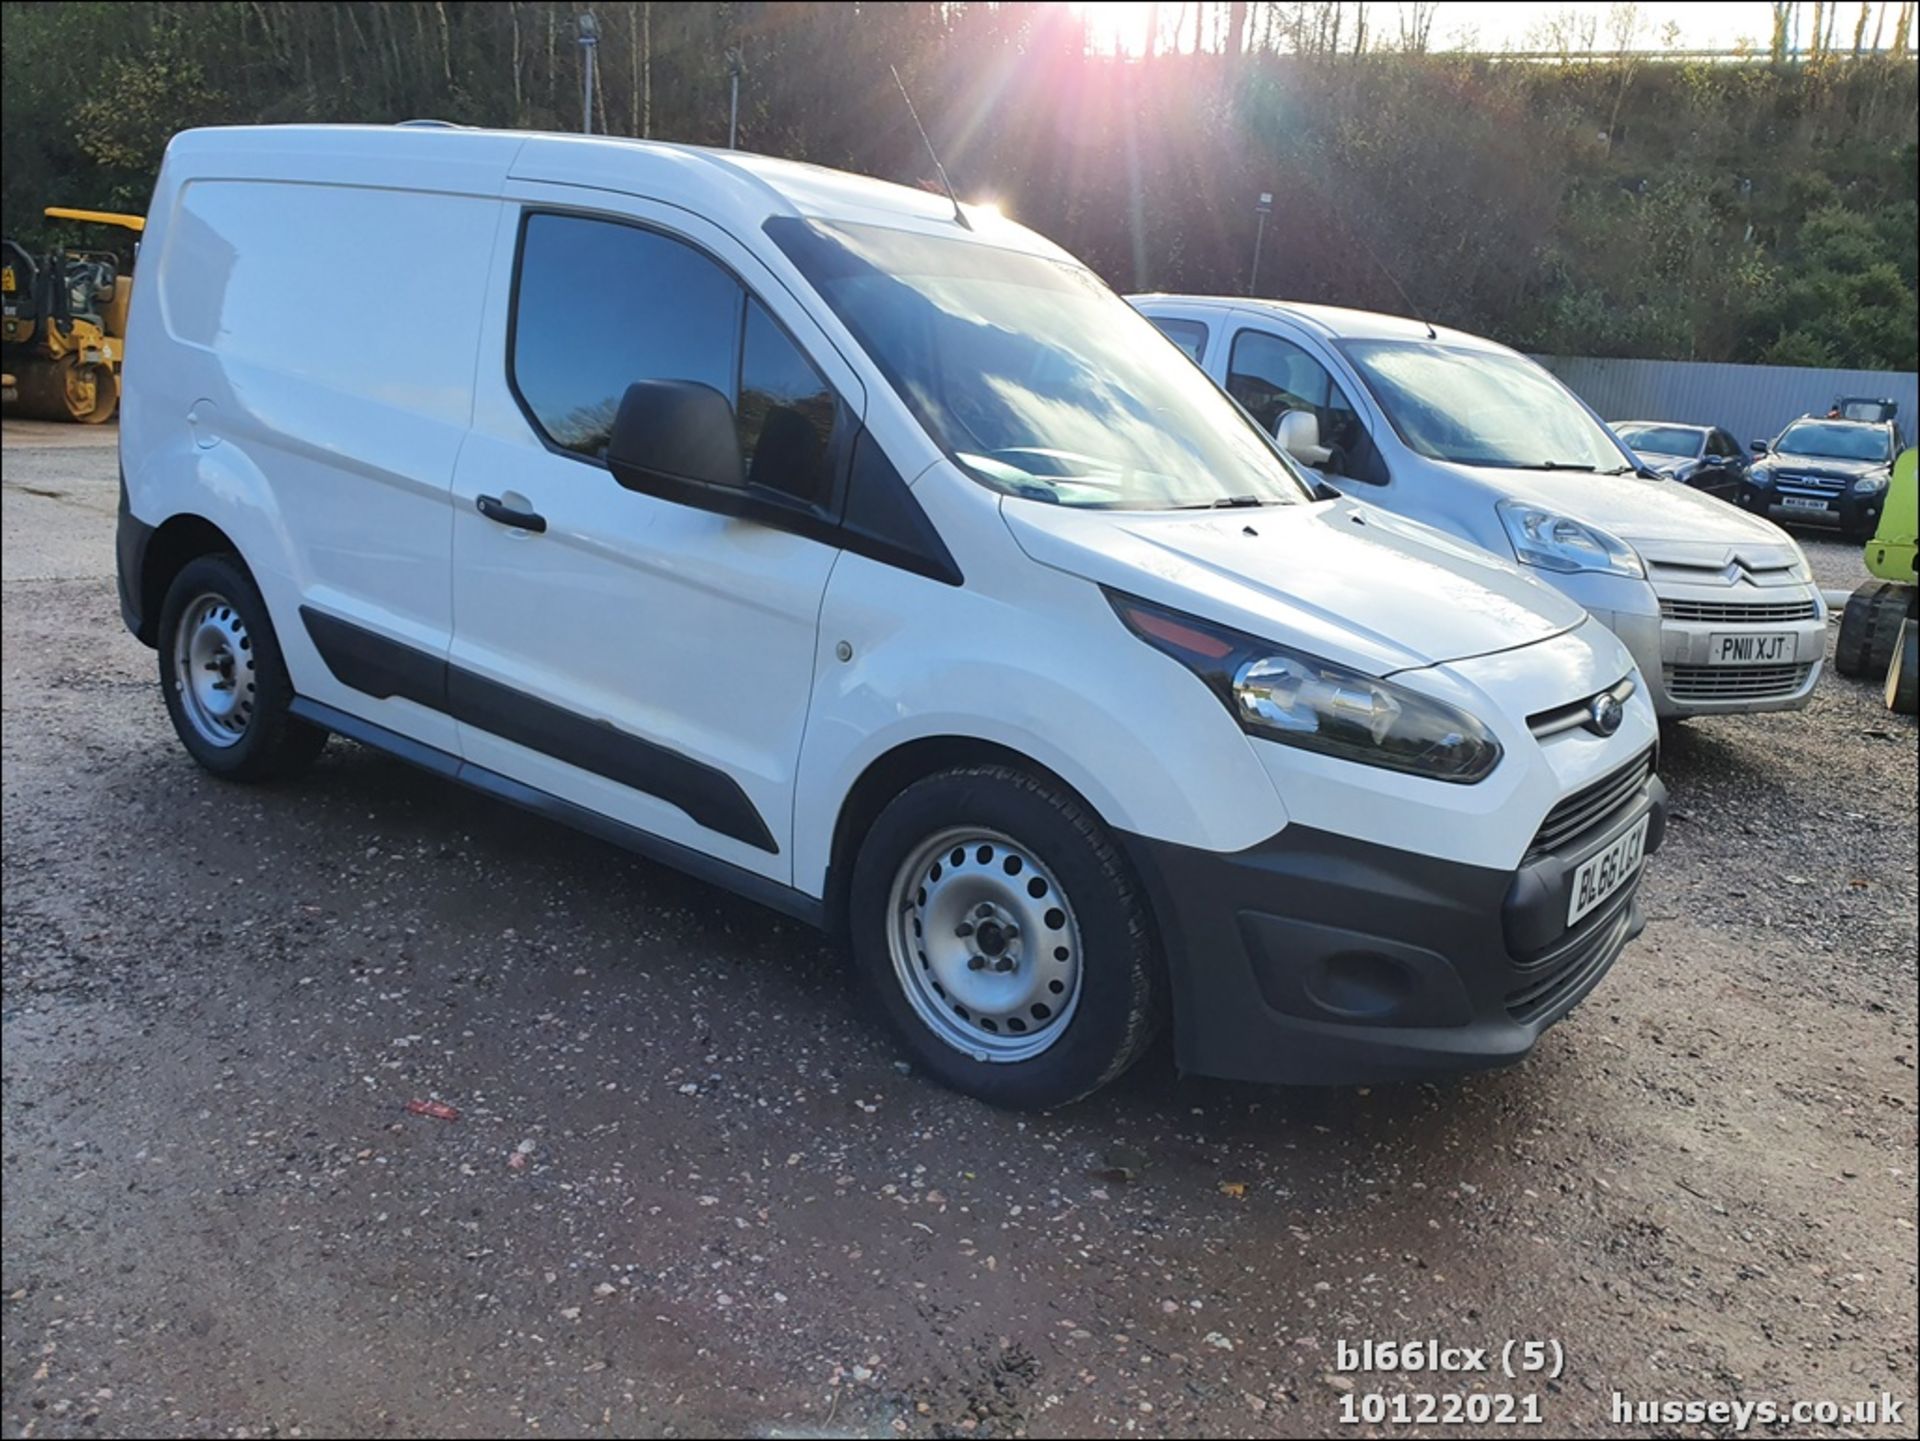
(63, 325)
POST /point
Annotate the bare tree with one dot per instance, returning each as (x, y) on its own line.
(1566, 32)
(1416, 25)
(1623, 25)
(1782, 31)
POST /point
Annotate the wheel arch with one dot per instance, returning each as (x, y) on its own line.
(893, 771)
(176, 542)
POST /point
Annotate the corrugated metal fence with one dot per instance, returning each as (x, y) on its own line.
(1753, 401)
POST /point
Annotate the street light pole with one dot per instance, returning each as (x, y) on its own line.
(735, 65)
(589, 44)
(1262, 210)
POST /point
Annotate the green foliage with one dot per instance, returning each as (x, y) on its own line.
(1749, 212)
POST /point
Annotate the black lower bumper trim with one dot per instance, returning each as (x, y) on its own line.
(1317, 959)
(130, 540)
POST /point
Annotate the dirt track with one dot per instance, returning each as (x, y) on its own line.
(733, 1213)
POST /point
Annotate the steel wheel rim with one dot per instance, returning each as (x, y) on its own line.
(985, 944)
(213, 673)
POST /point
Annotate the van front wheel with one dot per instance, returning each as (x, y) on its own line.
(1005, 936)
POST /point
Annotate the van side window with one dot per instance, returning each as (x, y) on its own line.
(1270, 376)
(1189, 335)
(786, 412)
(600, 305)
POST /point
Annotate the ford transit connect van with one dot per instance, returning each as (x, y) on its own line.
(1718, 607)
(863, 555)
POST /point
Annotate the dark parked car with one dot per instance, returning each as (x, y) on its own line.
(1705, 457)
(1825, 470)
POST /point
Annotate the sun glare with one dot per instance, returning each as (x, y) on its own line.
(1118, 26)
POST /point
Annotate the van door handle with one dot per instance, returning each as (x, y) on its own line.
(495, 509)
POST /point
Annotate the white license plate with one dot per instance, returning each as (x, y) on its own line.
(1772, 647)
(1803, 502)
(1601, 875)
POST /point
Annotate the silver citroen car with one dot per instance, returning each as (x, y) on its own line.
(1717, 605)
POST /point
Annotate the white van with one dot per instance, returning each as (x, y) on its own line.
(865, 557)
(1718, 607)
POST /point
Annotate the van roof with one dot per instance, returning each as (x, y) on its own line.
(734, 187)
(1331, 321)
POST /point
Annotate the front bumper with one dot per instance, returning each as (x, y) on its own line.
(1676, 656)
(1855, 512)
(1316, 959)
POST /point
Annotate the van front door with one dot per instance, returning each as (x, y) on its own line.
(647, 661)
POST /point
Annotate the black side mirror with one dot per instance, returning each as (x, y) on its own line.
(1759, 447)
(676, 439)
(1323, 491)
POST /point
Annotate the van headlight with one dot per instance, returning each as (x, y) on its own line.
(1282, 695)
(1552, 541)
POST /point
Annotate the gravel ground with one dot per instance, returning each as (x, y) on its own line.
(691, 1190)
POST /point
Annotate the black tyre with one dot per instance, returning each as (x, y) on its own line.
(226, 686)
(1890, 610)
(1006, 938)
(1852, 645)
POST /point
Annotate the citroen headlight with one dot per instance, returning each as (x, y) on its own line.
(1552, 541)
(1283, 695)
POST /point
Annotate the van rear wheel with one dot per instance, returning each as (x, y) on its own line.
(226, 685)
(1004, 935)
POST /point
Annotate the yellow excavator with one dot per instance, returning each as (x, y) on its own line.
(63, 325)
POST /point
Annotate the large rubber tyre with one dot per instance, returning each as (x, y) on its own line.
(1883, 631)
(1854, 643)
(214, 628)
(1903, 673)
(1116, 1002)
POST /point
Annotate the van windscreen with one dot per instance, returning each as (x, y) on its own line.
(1034, 376)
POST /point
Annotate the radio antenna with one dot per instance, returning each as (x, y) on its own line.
(959, 215)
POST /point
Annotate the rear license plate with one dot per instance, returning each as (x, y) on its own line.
(1773, 647)
(1803, 502)
(1601, 875)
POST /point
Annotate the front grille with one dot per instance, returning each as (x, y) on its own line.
(1571, 969)
(1575, 714)
(1748, 682)
(1592, 805)
(1823, 485)
(1735, 613)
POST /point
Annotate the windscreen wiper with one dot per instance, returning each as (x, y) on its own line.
(1556, 465)
(1227, 502)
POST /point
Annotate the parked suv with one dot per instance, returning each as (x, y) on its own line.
(1719, 609)
(1832, 471)
(868, 557)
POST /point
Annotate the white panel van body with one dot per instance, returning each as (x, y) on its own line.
(862, 554)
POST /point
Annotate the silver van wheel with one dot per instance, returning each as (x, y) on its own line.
(213, 669)
(985, 944)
